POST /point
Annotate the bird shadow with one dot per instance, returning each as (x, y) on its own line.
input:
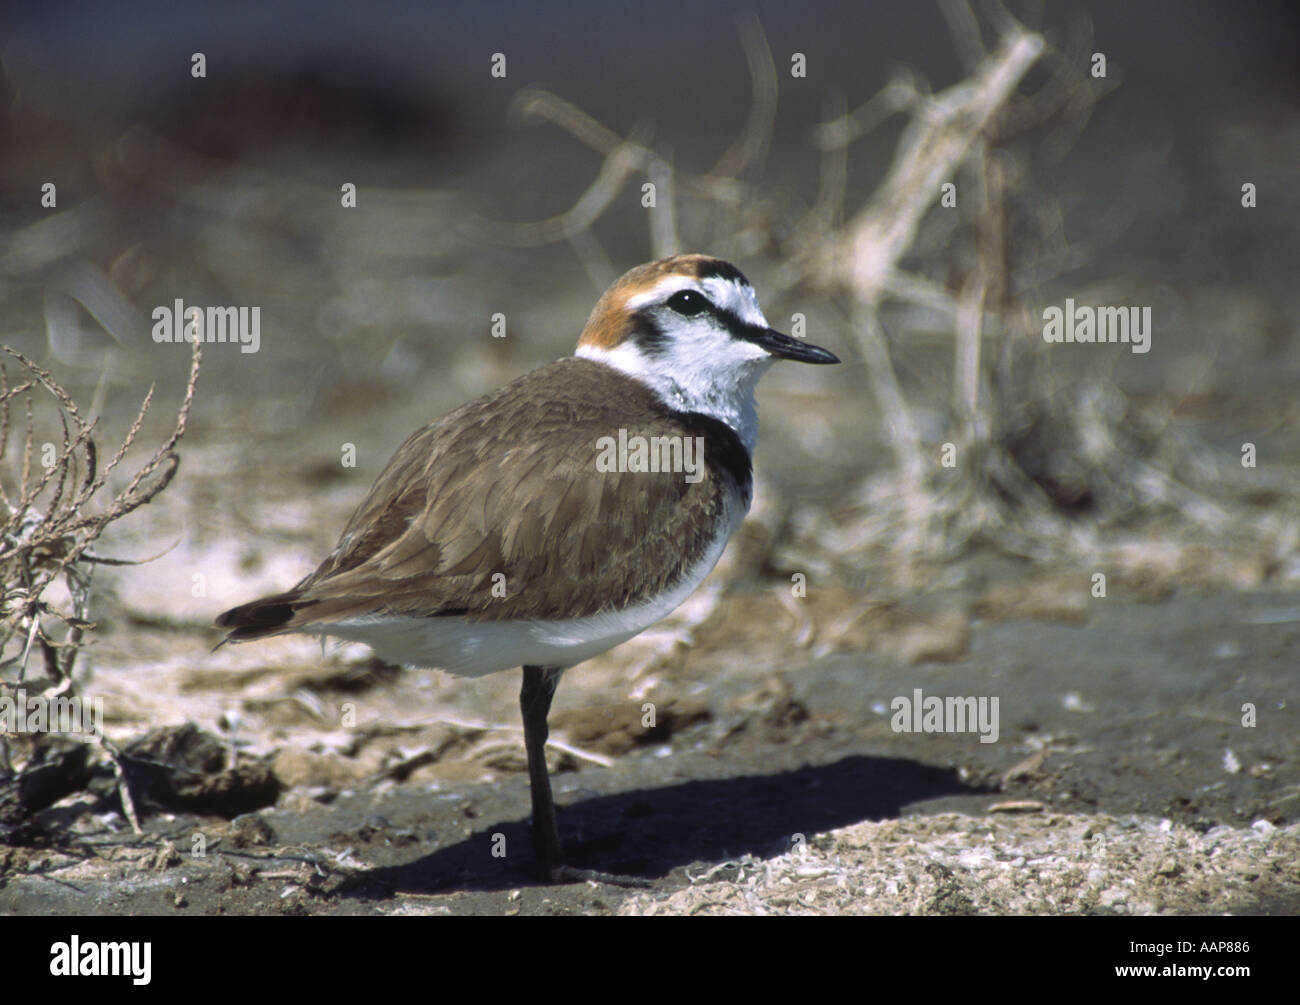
(647, 833)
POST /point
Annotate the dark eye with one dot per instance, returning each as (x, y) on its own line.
(689, 303)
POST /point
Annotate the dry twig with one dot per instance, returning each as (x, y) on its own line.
(48, 526)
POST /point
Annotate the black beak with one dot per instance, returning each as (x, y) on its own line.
(785, 347)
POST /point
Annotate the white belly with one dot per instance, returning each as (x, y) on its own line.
(473, 649)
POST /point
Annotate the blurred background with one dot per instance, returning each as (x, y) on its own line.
(519, 193)
(225, 189)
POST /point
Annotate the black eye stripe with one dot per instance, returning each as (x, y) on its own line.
(650, 335)
(652, 338)
(740, 329)
(647, 335)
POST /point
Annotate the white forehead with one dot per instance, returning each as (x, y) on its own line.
(729, 294)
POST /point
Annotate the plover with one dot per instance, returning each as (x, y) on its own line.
(561, 515)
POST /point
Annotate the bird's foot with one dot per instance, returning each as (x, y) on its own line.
(570, 874)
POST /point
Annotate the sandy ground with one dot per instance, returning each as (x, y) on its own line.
(1146, 758)
(1122, 781)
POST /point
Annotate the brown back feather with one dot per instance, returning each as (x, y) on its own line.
(508, 484)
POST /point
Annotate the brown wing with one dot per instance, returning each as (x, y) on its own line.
(508, 485)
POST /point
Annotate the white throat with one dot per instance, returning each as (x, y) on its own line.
(720, 388)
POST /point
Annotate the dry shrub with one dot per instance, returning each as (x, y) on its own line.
(55, 509)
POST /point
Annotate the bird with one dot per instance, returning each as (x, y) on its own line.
(562, 514)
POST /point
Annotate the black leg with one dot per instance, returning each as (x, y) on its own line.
(535, 704)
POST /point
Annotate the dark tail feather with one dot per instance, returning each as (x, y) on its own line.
(260, 618)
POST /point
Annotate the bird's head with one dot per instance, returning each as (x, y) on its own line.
(690, 328)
